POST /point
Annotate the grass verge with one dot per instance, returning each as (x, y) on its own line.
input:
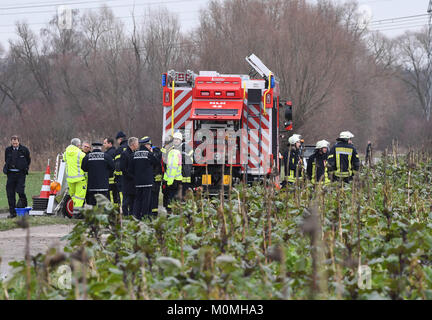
(8, 224)
(32, 188)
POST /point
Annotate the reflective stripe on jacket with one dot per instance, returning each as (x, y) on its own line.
(73, 157)
(344, 160)
(173, 167)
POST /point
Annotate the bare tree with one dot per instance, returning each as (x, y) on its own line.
(415, 61)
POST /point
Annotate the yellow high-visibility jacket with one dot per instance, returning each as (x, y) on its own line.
(73, 157)
(173, 167)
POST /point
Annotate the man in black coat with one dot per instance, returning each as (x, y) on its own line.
(142, 169)
(17, 163)
(99, 166)
(123, 144)
(113, 190)
(157, 174)
(128, 180)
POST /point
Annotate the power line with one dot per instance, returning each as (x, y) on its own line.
(398, 28)
(418, 19)
(122, 17)
(14, 32)
(400, 24)
(113, 6)
(51, 4)
(398, 18)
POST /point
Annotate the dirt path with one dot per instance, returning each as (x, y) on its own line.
(12, 243)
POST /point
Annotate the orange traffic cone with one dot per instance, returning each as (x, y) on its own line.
(45, 190)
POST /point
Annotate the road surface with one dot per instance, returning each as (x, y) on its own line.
(12, 243)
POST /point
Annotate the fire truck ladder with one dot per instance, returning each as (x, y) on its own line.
(254, 116)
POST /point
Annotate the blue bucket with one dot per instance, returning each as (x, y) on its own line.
(22, 211)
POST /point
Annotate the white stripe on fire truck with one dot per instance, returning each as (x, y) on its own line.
(264, 119)
(265, 132)
(181, 96)
(179, 108)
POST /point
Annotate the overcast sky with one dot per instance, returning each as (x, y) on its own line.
(37, 13)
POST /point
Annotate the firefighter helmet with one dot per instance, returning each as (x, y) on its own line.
(294, 138)
(145, 140)
(346, 135)
(322, 144)
(178, 135)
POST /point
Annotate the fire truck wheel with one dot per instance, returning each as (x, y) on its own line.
(68, 207)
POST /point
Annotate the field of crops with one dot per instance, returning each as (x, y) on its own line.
(371, 239)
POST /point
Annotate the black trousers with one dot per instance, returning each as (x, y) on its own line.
(114, 193)
(155, 197)
(171, 193)
(128, 203)
(143, 202)
(90, 197)
(16, 184)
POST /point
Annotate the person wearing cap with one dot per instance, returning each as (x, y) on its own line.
(142, 170)
(343, 160)
(123, 144)
(317, 163)
(17, 163)
(113, 191)
(99, 166)
(75, 176)
(128, 179)
(157, 173)
(292, 159)
(173, 173)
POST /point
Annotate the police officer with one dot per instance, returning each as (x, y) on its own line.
(317, 163)
(142, 170)
(292, 159)
(157, 174)
(343, 159)
(128, 179)
(75, 176)
(168, 144)
(173, 174)
(123, 144)
(99, 166)
(17, 163)
(113, 191)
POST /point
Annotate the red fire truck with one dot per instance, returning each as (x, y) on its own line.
(228, 120)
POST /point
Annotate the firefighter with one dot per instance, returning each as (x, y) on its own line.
(75, 176)
(17, 162)
(99, 166)
(317, 163)
(123, 144)
(187, 160)
(173, 174)
(343, 160)
(128, 179)
(141, 167)
(292, 159)
(168, 144)
(113, 191)
(157, 174)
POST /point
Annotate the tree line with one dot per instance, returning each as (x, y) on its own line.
(99, 77)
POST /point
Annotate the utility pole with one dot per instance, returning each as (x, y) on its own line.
(429, 66)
